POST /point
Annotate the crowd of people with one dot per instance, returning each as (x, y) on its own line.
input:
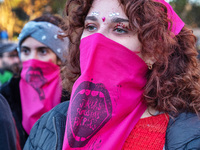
(111, 75)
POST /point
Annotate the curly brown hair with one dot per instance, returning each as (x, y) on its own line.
(173, 83)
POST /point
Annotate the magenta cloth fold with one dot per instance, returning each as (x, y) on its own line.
(107, 99)
(40, 90)
(177, 23)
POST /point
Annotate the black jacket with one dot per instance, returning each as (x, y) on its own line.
(10, 91)
(8, 139)
(183, 132)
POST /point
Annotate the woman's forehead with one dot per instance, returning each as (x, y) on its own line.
(106, 8)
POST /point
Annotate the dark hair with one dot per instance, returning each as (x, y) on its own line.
(54, 19)
(173, 83)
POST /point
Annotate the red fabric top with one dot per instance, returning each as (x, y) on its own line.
(148, 134)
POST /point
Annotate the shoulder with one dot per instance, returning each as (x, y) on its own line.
(183, 132)
(43, 134)
(10, 91)
(59, 111)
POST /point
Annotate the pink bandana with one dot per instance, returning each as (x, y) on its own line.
(40, 90)
(177, 23)
(106, 100)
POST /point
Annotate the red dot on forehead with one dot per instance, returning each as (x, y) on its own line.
(103, 19)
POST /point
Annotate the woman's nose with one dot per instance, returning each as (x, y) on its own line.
(103, 30)
(33, 55)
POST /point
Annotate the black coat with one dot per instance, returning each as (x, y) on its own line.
(183, 132)
(11, 92)
(8, 137)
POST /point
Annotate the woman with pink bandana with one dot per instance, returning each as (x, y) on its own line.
(137, 83)
(39, 87)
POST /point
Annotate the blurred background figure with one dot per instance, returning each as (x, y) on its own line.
(38, 88)
(9, 61)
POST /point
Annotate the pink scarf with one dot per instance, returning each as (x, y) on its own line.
(106, 100)
(177, 23)
(40, 90)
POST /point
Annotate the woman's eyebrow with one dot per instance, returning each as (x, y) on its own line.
(117, 19)
(42, 47)
(26, 47)
(114, 19)
(92, 18)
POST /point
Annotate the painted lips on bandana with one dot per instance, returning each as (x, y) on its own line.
(35, 77)
(87, 122)
(40, 90)
(106, 100)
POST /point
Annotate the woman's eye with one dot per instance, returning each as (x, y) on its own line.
(90, 27)
(25, 51)
(43, 51)
(120, 30)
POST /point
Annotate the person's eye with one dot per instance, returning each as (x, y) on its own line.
(90, 27)
(25, 51)
(43, 51)
(120, 30)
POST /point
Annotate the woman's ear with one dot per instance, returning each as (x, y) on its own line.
(59, 63)
(150, 61)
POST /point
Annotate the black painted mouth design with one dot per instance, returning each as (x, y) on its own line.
(91, 109)
(34, 76)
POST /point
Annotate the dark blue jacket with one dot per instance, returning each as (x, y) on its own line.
(8, 136)
(183, 132)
